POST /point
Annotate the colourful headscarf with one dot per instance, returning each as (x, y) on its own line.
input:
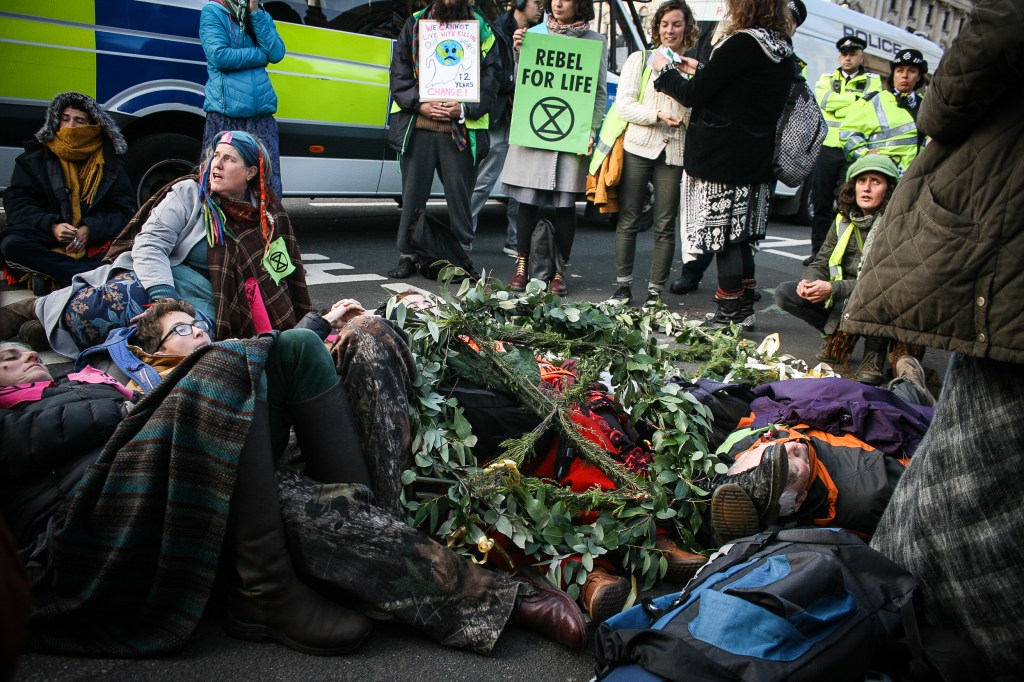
(253, 153)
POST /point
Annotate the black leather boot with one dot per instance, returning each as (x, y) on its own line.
(328, 437)
(267, 600)
(750, 296)
(730, 311)
(13, 316)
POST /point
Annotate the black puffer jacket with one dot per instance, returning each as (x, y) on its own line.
(38, 197)
(46, 446)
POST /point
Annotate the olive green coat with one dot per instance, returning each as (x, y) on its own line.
(946, 266)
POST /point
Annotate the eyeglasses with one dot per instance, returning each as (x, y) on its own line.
(185, 328)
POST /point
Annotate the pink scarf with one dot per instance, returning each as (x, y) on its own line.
(11, 396)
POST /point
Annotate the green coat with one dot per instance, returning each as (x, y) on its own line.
(841, 289)
(945, 269)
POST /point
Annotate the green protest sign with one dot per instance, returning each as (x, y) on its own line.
(555, 90)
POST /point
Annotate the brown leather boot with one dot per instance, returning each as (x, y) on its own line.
(558, 284)
(14, 315)
(603, 594)
(519, 279)
(553, 614)
(682, 565)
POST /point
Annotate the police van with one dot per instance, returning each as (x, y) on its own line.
(143, 61)
(815, 43)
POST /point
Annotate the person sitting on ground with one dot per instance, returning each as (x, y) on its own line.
(821, 294)
(69, 194)
(73, 443)
(829, 452)
(221, 241)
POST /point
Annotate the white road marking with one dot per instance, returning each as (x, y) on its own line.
(771, 244)
(306, 257)
(319, 273)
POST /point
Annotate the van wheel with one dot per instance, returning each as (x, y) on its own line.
(155, 160)
(805, 206)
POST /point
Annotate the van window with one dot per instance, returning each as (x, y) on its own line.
(610, 21)
(368, 17)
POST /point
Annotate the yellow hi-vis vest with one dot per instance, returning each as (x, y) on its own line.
(844, 228)
(835, 94)
(613, 125)
(878, 124)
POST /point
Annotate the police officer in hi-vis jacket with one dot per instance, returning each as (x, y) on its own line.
(886, 122)
(836, 93)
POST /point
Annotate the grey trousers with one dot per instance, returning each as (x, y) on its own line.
(426, 153)
(636, 173)
(487, 176)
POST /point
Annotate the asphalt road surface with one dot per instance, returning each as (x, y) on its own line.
(348, 246)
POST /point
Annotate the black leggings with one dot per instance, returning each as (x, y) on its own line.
(735, 264)
(565, 228)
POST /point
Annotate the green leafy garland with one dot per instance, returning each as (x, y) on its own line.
(452, 495)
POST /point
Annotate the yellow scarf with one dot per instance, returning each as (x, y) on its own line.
(80, 151)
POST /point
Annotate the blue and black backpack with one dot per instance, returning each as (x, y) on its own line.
(797, 604)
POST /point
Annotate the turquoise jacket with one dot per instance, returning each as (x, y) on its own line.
(238, 85)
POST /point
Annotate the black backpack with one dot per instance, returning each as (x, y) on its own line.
(800, 604)
(434, 245)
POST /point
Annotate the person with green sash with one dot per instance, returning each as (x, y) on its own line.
(655, 127)
(827, 284)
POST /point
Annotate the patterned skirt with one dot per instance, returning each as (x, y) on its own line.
(94, 311)
(717, 214)
(263, 128)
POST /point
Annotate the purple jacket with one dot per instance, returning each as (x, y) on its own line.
(839, 406)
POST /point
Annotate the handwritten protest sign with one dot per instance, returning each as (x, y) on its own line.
(449, 61)
(555, 90)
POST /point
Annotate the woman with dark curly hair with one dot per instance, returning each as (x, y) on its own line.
(653, 146)
(541, 177)
(827, 284)
(737, 98)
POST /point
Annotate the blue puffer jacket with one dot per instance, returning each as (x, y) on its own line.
(239, 86)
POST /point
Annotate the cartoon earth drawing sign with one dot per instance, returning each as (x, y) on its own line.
(449, 61)
(556, 86)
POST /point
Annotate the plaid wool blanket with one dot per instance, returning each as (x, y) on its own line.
(134, 550)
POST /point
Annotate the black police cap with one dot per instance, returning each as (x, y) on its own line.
(910, 57)
(851, 43)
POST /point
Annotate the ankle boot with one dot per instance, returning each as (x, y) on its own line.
(519, 279)
(558, 283)
(603, 594)
(730, 311)
(267, 600)
(13, 316)
(746, 315)
(682, 565)
(872, 367)
(763, 485)
(328, 437)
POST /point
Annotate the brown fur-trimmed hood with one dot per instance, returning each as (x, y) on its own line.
(89, 106)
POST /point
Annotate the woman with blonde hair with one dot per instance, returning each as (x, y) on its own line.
(653, 145)
(736, 100)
